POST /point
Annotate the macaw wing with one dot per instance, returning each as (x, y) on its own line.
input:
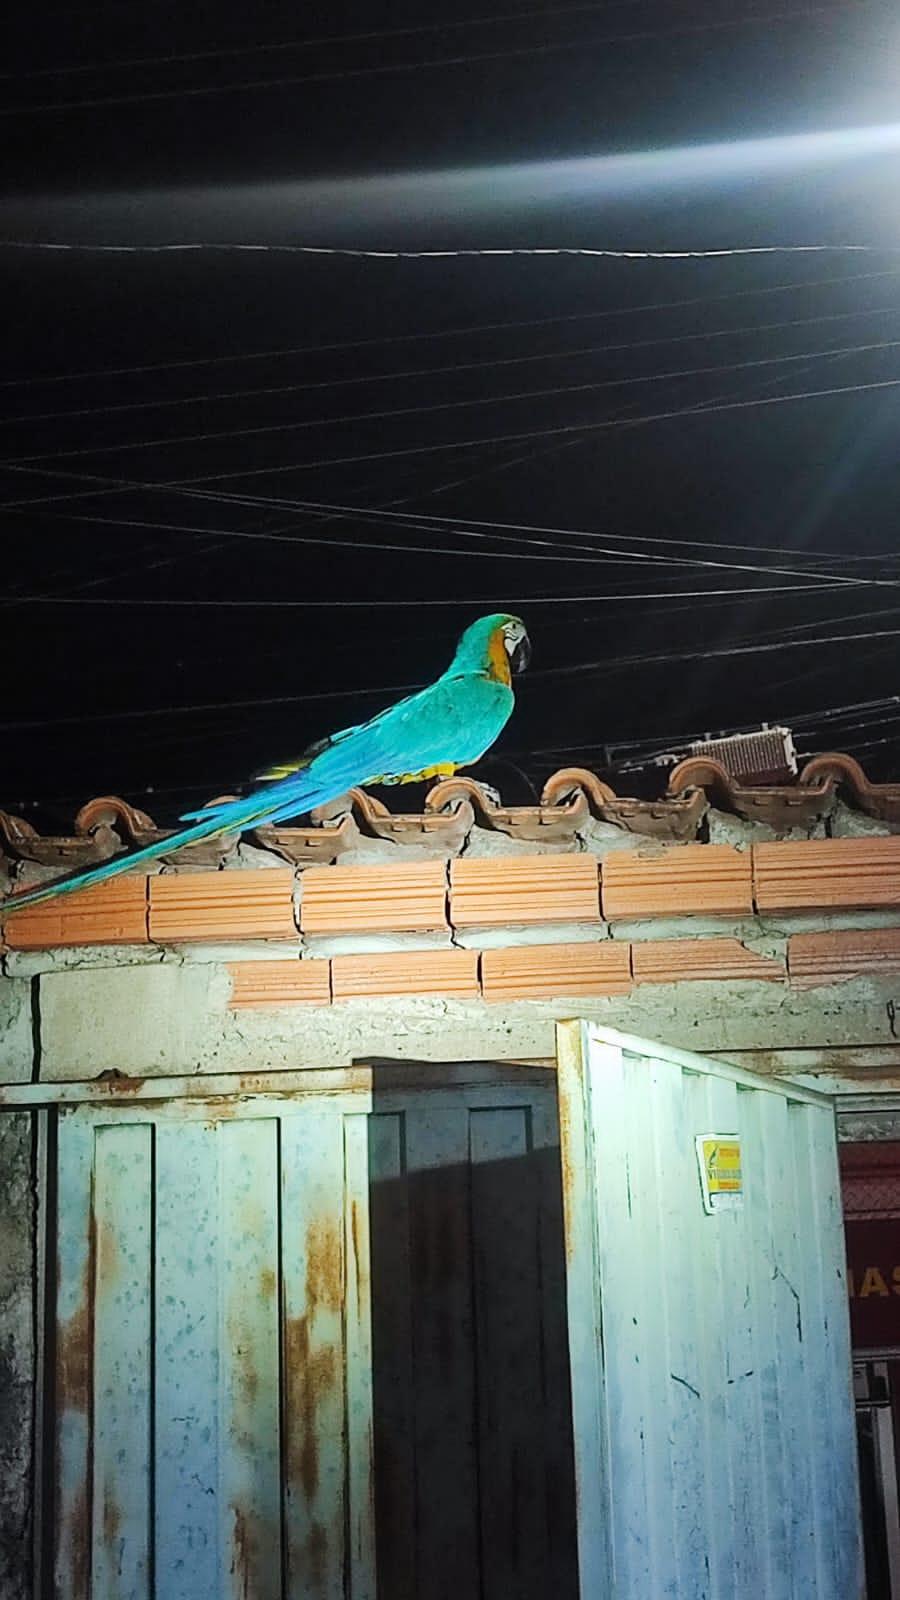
(448, 725)
(328, 752)
(284, 769)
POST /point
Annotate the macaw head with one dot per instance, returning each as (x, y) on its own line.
(498, 644)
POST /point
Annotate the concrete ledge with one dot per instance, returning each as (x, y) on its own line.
(88, 1026)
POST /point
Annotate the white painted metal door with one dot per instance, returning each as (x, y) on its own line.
(711, 1376)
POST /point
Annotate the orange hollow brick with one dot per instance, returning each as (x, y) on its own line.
(108, 913)
(523, 890)
(408, 897)
(690, 879)
(410, 972)
(546, 971)
(201, 906)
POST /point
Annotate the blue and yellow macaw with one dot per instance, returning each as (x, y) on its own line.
(430, 734)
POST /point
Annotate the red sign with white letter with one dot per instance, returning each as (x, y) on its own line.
(873, 1282)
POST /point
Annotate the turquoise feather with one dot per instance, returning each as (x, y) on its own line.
(449, 724)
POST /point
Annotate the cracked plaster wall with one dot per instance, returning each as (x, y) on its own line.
(87, 1022)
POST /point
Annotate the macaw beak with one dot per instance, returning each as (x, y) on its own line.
(521, 655)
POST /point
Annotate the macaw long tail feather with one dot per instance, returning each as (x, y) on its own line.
(222, 820)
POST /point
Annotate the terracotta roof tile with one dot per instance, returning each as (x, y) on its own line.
(675, 817)
(409, 897)
(789, 805)
(494, 891)
(820, 874)
(815, 958)
(222, 905)
(781, 806)
(444, 972)
(714, 879)
(570, 798)
(684, 960)
(543, 972)
(279, 983)
(109, 913)
(339, 826)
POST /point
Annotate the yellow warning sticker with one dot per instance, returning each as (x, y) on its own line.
(721, 1170)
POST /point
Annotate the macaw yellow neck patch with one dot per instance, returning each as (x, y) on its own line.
(498, 660)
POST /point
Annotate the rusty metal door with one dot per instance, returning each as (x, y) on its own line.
(213, 1353)
(314, 1347)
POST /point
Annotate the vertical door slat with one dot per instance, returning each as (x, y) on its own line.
(74, 1358)
(358, 1367)
(123, 1334)
(392, 1357)
(250, 1460)
(312, 1188)
(447, 1530)
(188, 1558)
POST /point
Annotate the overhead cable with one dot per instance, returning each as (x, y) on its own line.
(284, 352)
(212, 398)
(387, 68)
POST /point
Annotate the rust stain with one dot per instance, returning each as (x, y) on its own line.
(243, 1551)
(107, 1247)
(112, 1519)
(316, 1553)
(123, 1085)
(247, 1377)
(75, 1336)
(324, 1265)
(222, 1110)
(267, 1283)
(115, 1082)
(842, 1063)
(73, 1346)
(360, 1267)
(568, 1172)
(75, 1544)
(310, 1375)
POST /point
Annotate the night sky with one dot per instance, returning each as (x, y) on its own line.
(263, 390)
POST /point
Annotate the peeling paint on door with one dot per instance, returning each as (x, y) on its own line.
(313, 1347)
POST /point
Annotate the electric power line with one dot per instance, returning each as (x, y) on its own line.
(210, 397)
(609, 665)
(385, 68)
(481, 252)
(315, 42)
(368, 604)
(284, 352)
(426, 520)
(600, 556)
(668, 657)
(267, 429)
